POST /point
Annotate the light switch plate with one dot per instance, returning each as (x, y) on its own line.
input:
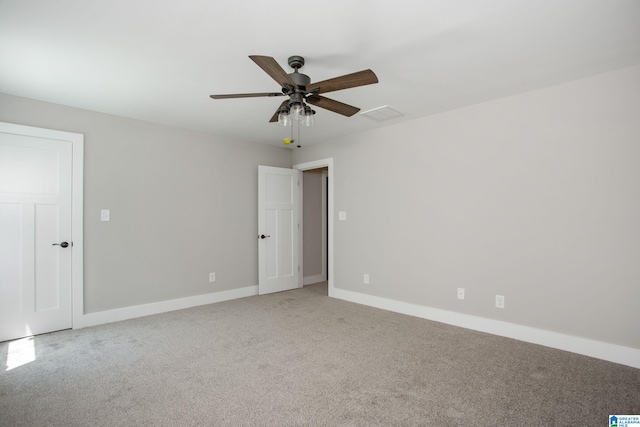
(105, 215)
(342, 216)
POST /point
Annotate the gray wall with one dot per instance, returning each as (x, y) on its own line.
(312, 222)
(535, 197)
(182, 203)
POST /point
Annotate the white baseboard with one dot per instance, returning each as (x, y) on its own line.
(310, 280)
(601, 350)
(125, 313)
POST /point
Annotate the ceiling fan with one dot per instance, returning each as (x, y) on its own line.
(299, 89)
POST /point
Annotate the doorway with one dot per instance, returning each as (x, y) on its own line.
(327, 166)
(315, 230)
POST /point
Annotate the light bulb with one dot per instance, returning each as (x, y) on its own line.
(297, 110)
(284, 119)
(308, 116)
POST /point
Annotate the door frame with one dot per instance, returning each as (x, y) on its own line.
(77, 203)
(318, 164)
(324, 216)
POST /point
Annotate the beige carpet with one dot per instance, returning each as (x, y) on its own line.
(300, 358)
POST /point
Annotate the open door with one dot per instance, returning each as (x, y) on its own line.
(35, 231)
(278, 229)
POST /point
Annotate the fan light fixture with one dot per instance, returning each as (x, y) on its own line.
(284, 119)
(298, 111)
(308, 116)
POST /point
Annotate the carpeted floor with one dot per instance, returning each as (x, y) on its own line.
(300, 358)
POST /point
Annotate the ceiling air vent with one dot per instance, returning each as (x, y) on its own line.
(381, 114)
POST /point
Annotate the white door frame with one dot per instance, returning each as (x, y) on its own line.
(77, 182)
(317, 164)
(325, 175)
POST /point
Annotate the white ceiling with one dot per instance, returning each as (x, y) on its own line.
(159, 60)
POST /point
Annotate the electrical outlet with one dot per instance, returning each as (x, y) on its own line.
(460, 293)
(500, 301)
(366, 279)
(212, 277)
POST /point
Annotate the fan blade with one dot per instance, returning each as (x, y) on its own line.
(332, 105)
(274, 118)
(361, 78)
(271, 67)
(246, 95)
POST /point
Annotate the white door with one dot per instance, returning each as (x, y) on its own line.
(278, 229)
(35, 235)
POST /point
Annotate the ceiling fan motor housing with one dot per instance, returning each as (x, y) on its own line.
(302, 80)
